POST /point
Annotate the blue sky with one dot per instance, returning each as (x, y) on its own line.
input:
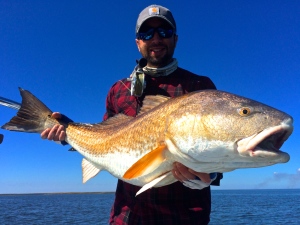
(69, 53)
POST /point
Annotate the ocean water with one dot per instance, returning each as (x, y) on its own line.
(261, 207)
(56, 209)
(256, 207)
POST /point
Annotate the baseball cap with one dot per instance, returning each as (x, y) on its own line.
(155, 11)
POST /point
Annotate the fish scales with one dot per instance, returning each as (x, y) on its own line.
(146, 132)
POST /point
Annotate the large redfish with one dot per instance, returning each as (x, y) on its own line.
(207, 131)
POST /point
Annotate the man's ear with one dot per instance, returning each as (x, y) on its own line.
(137, 41)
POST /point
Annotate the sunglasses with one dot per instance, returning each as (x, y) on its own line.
(162, 32)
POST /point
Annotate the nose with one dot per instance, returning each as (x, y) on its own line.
(156, 37)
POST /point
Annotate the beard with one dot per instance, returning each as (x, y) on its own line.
(160, 61)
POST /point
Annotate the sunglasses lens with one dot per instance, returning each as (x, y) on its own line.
(146, 35)
(163, 33)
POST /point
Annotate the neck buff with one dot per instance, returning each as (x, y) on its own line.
(164, 71)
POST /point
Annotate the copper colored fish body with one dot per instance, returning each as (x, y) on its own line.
(208, 131)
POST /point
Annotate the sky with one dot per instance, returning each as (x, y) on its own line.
(69, 53)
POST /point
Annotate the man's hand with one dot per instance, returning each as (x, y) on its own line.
(57, 132)
(191, 178)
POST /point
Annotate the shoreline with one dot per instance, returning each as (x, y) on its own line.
(61, 193)
(113, 192)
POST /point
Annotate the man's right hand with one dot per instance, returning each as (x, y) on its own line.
(57, 132)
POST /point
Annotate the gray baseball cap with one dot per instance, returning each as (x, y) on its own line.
(155, 11)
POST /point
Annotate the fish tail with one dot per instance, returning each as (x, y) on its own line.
(33, 116)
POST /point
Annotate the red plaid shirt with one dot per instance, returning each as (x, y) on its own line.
(171, 204)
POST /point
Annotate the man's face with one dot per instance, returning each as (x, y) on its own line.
(158, 51)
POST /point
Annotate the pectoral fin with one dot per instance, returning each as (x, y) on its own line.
(153, 183)
(88, 170)
(147, 163)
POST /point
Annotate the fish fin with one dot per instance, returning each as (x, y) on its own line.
(89, 170)
(107, 124)
(151, 101)
(147, 163)
(153, 183)
(111, 122)
(31, 116)
(115, 120)
(72, 149)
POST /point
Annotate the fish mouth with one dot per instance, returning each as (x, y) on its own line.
(265, 145)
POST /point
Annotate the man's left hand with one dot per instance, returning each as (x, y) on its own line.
(191, 178)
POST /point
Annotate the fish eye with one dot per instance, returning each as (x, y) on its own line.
(244, 111)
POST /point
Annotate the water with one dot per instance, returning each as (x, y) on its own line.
(261, 207)
(267, 207)
(55, 209)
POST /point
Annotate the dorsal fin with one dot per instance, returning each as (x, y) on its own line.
(151, 101)
(111, 122)
(117, 119)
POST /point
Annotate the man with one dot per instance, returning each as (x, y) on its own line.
(156, 40)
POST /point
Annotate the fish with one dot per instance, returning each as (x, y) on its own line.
(208, 131)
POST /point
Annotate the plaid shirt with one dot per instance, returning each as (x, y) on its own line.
(171, 204)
